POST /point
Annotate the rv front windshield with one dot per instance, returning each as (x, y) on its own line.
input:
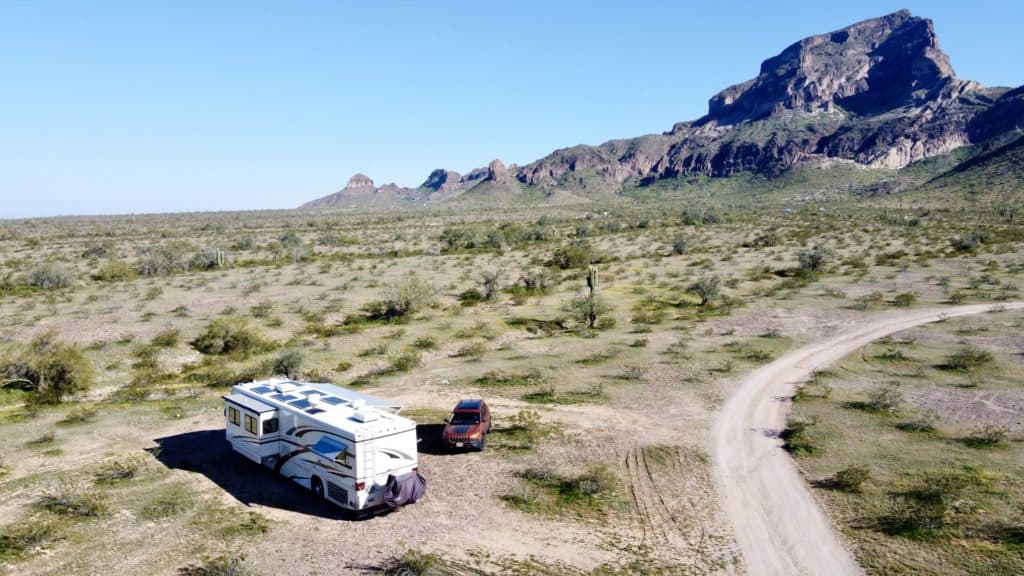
(465, 418)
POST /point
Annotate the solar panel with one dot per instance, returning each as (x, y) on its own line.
(332, 400)
(284, 397)
(302, 403)
(262, 389)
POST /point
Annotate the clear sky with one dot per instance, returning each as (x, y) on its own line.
(146, 106)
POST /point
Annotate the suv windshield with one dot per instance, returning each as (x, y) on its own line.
(464, 418)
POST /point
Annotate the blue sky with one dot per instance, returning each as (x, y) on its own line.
(118, 107)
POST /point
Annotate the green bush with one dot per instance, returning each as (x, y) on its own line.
(586, 308)
(50, 276)
(904, 299)
(48, 368)
(65, 502)
(679, 245)
(425, 343)
(24, 538)
(490, 282)
(167, 339)
(115, 271)
(578, 254)
(969, 359)
(797, 439)
(164, 259)
(288, 364)
(234, 336)
(850, 479)
(706, 287)
(218, 566)
(813, 260)
(401, 301)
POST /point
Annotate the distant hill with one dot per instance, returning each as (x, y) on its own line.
(877, 94)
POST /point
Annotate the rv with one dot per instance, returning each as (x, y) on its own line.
(345, 447)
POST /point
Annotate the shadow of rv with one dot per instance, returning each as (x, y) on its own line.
(430, 440)
(207, 452)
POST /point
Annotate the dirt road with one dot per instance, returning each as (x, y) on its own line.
(780, 528)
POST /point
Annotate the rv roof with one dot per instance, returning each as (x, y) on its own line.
(340, 408)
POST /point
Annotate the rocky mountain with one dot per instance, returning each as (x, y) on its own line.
(879, 93)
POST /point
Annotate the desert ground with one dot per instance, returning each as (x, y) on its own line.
(619, 448)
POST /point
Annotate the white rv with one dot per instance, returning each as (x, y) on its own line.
(340, 444)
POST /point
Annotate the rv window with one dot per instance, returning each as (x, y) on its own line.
(233, 416)
(270, 426)
(250, 424)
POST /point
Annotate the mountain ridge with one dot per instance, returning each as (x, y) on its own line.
(879, 93)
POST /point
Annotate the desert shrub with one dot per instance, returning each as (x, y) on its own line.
(401, 301)
(578, 254)
(679, 245)
(693, 217)
(904, 299)
(48, 368)
(79, 415)
(50, 276)
(490, 282)
(208, 259)
(413, 563)
(96, 250)
(163, 259)
(592, 490)
(425, 343)
(404, 362)
(118, 470)
(971, 241)
(849, 479)
(234, 336)
(586, 308)
(473, 350)
(813, 260)
(288, 363)
(930, 501)
(290, 247)
(470, 297)
(20, 539)
(706, 287)
(537, 280)
(167, 339)
(968, 359)
(115, 271)
(988, 436)
(888, 399)
(923, 423)
(66, 502)
(218, 566)
(797, 439)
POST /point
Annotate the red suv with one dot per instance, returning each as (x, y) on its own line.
(468, 425)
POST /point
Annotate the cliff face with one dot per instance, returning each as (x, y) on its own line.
(879, 93)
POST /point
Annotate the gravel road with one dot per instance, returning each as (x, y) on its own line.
(780, 527)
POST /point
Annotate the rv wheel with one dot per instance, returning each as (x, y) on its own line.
(317, 487)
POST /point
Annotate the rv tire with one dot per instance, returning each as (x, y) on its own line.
(316, 486)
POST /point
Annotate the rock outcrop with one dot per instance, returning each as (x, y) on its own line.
(879, 93)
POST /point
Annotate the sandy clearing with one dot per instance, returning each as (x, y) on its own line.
(779, 525)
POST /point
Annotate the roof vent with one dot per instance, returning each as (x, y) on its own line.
(284, 387)
(365, 415)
